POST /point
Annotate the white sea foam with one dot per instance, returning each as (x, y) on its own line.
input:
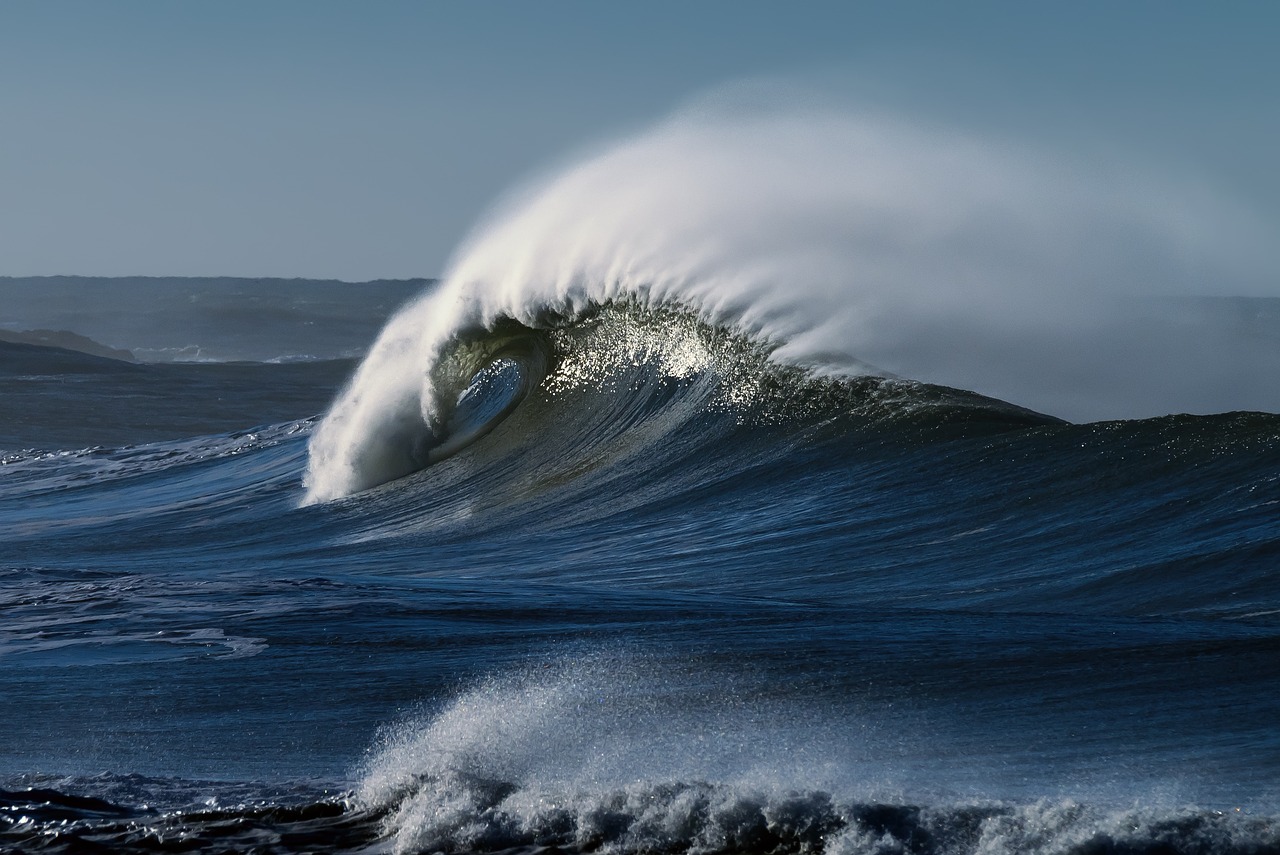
(604, 747)
(616, 754)
(840, 237)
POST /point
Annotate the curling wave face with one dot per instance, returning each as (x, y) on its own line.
(832, 242)
(621, 381)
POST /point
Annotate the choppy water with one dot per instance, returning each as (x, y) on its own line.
(633, 561)
(675, 598)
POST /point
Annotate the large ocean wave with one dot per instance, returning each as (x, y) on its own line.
(717, 501)
(838, 244)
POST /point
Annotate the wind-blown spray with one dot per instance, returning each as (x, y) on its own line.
(840, 239)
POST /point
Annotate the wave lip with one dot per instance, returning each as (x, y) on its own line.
(405, 410)
(832, 238)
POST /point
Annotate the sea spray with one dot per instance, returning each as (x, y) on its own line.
(613, 752)
(840, 238)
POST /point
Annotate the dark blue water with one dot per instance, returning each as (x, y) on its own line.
(634, 602)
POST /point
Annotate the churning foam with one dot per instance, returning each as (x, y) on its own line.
(835, 235)
(558, 748)
(619, 754)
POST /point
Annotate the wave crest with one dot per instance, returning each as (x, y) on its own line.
(606, 754)
(837, 240)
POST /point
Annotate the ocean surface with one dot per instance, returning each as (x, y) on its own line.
(627, 582)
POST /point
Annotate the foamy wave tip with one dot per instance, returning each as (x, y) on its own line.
(840, 237)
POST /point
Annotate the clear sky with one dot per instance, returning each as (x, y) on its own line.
(356, 140)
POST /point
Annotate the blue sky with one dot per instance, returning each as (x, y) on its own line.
(356, 140)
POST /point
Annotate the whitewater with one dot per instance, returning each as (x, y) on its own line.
(769, 480)
(844, 243)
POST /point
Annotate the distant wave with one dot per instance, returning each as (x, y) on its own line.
(835, 242)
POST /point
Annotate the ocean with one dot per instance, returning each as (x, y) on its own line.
(764, 483)
(641, 587)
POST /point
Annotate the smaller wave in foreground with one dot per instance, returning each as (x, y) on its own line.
(577, 757)
(458, 811)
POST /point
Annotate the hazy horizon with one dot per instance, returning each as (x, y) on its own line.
(353, 142)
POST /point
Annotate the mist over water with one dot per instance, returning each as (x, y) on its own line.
(848, 242)
(684, 570)
(572, 740)
(624, 752)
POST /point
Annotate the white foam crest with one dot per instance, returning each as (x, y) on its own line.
(601, 749)
(621, 754)
(841, 237)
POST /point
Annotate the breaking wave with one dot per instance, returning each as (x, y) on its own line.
(593, 755)
(841, 244)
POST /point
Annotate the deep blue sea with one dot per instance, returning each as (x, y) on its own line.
(609, 577)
